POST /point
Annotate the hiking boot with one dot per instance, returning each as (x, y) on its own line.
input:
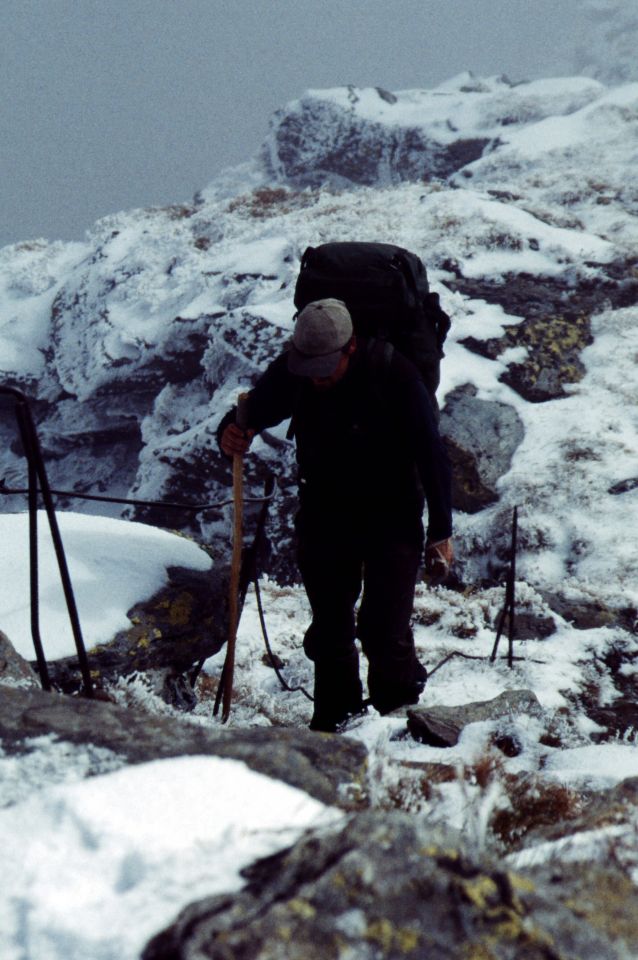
(389, 695)
(323, 724)
(338, 693)
(396, 696)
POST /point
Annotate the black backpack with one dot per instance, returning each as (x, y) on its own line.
(386, 291)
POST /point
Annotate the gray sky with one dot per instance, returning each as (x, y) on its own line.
(113, 104)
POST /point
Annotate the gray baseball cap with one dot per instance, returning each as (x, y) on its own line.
(322, 330)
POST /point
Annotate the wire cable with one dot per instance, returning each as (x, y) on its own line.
(262, 620)
(195, 507)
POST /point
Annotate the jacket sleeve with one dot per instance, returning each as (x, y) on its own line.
(270, 401)
(419, 422)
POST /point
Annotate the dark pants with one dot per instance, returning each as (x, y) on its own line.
(339, 555)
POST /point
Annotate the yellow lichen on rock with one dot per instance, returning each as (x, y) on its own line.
(302, 908)
(390, 937)
(180, 610)
(479, 890)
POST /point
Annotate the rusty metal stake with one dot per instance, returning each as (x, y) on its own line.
(509, 607)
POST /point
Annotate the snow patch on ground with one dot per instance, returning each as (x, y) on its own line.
(94, 869)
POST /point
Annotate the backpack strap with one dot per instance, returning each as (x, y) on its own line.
(379, 353)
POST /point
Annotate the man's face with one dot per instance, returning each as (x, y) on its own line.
(325, 383)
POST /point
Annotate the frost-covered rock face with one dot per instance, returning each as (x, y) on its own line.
(359, 149)
(521, 200)
(372, 137)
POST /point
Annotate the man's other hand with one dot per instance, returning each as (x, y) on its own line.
(235, 441)
(439, 557)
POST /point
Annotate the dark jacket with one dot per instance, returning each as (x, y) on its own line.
(370, 443)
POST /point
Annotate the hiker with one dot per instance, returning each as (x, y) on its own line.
(368, 450)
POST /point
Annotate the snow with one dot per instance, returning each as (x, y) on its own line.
(113, 564)
(594, 767)
(447, 109)
(93, 869)
(555, 669)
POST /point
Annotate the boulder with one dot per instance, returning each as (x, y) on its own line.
(14, 669)
(369, 136)
(186, 621)
(324, 140)
(481, 437)
(533, 626)
(330, 768)
(390, 885)
(442, 726)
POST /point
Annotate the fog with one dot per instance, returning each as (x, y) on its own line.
(113, 104)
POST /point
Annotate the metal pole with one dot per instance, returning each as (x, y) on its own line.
(65, 576)
(34, 592)
(36, 461)
(512, 604)
(510, 599)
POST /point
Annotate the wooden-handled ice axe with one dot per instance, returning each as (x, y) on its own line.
(225, 689)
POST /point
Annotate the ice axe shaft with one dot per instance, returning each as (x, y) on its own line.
(225, 690)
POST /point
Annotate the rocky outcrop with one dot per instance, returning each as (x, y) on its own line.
(14, 669)
(322, 141)
(330, 768)
(369, 136)
(146, 332)
(555, 328)
(389, 885)
(185, 622)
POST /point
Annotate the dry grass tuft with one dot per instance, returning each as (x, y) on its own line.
(271, 201)
(533, 805)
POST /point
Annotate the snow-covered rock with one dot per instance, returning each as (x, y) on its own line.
(370, 136)
(481, 438)
(14, 669)
(146, 599)
(389, 885)
(94, 868)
